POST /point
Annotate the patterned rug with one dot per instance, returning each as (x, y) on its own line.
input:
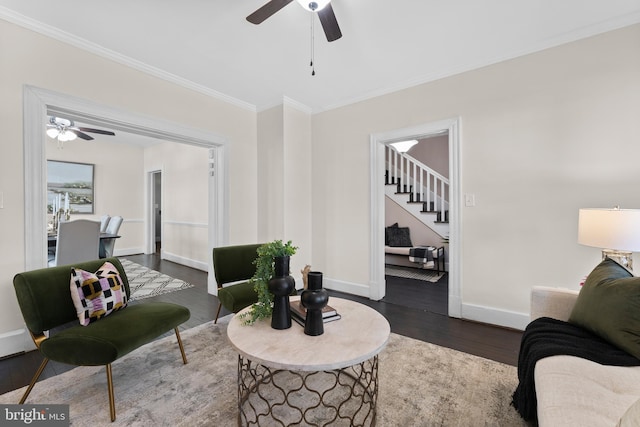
(146, 283)
(413, 273)
(420, 384)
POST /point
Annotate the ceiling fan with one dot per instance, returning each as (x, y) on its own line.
(321, 7)
(65, 130)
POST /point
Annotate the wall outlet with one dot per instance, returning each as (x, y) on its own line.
(469, 200)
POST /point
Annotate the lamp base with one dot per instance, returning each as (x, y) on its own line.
(623, 258)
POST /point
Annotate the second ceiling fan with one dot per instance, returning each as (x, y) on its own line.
(321, 7)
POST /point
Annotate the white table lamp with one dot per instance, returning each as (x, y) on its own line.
(616, 231)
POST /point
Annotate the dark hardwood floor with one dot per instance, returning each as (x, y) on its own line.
(402, 307)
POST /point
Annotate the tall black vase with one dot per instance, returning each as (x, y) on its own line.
(281, 285)
(314, 299)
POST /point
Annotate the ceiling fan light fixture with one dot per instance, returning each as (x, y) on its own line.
(66, 136)
(53, 132)
(313, 5)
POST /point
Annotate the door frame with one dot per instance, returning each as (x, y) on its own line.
(39, 103)
(378, 141)
(152, 175)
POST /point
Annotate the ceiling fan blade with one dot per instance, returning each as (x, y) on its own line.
(100, 131)
(267, 10)
(329, 23)
(80, 134)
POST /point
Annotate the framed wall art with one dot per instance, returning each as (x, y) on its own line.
(70, 187)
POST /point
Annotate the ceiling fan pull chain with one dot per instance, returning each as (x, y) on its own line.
(313, 69)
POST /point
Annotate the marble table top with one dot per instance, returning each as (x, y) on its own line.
(359, 335)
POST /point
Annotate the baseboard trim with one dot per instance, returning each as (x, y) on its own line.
(16, 341)
(477, 313)
(455, 304)
(198, 265)
(493, 316)
(127, 251)
(347, 287)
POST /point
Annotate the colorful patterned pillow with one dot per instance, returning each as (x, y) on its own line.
(96, 295)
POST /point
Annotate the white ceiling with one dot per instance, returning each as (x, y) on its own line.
(386, 45)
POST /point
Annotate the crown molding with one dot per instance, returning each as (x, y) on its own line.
(581, 33)
(296, 105)
(80, 43)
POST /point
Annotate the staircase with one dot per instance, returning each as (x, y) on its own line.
(418, 189)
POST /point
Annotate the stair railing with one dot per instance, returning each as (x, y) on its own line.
(423, 183)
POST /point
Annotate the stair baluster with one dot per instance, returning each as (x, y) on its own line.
(423, 187)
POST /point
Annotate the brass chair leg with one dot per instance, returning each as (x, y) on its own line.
(184, 356)
(217, 313)
(34, 379)
(112, 403)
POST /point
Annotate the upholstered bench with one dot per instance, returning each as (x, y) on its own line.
(90, 336)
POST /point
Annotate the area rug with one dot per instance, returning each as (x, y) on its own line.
(145, 282)
(420, 384)
(413, 273)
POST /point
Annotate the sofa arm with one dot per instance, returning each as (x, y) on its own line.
(556, 303)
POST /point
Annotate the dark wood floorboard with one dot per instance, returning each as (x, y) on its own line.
(420, 294)
(409, 312)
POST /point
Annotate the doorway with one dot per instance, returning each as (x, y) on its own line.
(378, 144)
(38, 103)
(418, 212)
(155, 211)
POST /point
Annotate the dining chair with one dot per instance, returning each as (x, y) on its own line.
(107, 245)
(104, 221)
(77, 241)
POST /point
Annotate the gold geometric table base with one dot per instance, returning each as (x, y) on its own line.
(276, 397)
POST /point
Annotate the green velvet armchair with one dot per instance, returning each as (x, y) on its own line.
(234, 265)
(45, 300)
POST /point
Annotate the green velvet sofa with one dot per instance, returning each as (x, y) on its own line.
(45, 300)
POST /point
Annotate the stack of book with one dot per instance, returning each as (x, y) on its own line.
(299, 313)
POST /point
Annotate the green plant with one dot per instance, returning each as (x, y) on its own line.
(265, 271)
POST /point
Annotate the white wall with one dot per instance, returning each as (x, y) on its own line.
(284, 197)
(433, 152)
(542, 136)
(116, 167)
(184, 201)
(34, 59)
(271, 170)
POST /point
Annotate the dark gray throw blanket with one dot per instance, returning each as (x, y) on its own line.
(546, 337)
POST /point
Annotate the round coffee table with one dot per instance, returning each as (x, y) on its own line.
(288, 378)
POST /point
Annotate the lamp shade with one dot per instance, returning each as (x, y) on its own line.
(617, 229)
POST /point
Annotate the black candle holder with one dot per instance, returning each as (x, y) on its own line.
(314, 299)
(281, 285)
